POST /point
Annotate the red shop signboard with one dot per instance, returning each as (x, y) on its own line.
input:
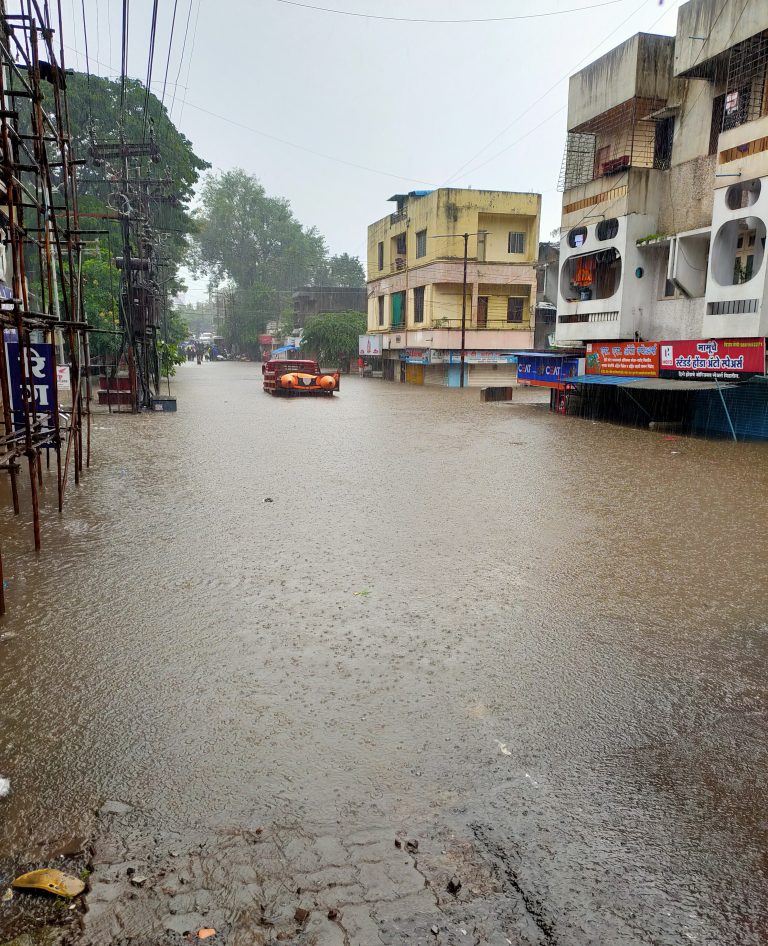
(716, 359)
(633, 359)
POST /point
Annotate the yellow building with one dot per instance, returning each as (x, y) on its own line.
(416, 282)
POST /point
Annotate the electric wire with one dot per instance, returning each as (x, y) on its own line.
(191, 59)
(533, 104)
(181, 57)
(404, 19)
(124, 58)
(170, 47)
(151, 57)
(87, 66)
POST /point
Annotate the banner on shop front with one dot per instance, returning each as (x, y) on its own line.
(474, 357)
(632, 359)
(416, 356)
(546, 370)
(721, 359)
(369, 345)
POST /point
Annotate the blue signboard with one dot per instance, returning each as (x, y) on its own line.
(545, 369)
(40, 382)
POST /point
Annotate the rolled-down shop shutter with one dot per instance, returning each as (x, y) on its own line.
(489, 376)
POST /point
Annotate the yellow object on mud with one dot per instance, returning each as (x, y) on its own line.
(51, 881)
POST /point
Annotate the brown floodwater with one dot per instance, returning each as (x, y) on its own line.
(546, 631)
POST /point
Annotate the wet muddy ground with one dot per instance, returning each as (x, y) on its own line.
(536, 645)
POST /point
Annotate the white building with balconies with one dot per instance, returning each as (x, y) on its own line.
(665, 184)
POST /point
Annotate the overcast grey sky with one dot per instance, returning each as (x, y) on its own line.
(405, 105)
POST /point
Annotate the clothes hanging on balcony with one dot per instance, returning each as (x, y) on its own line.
(585, 272)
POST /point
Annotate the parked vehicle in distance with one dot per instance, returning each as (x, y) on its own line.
(297, 376)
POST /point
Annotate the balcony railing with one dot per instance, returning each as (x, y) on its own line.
(491, 325)
(588, 317)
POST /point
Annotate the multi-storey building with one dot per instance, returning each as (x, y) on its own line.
(443, 251)
(665, 184)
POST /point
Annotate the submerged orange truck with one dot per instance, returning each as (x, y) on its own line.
(297, 376)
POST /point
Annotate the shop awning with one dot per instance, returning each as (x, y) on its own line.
(649, 384)
(601, 379)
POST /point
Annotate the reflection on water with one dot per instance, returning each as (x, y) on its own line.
(590, 597)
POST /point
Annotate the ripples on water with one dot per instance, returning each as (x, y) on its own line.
(589, 596)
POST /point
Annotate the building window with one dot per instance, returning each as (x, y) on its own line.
(663, 139)
(418, 304)
(577, 237)
(398, 309)
(744, 264)
(718, 109)
(516, 242)
(381, 310)
(421, 243)
(481, 245)
(515, 309)
(400, 244)
(607, 229)
(381, 256)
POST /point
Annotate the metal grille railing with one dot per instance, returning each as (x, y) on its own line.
(634, 134)
(746, 97)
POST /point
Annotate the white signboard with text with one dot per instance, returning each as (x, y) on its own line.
(369, 345)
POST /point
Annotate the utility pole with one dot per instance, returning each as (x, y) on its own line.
(464, 310)
(465, 237)
(138, 305)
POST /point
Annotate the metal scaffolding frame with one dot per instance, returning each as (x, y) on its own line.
(42, 241)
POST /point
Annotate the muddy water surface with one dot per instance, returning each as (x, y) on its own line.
(545, 634)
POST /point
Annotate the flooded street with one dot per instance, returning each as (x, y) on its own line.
(535, 643)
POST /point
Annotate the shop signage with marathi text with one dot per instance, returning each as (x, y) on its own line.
(631, 359)
(416, 356)
(720, 359)
(40, 383)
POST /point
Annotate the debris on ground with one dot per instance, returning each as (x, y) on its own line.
(412, 846)
(206, 933)
(8, 895)
(454, 885)
(7, 636)
(269, 499)
(5, 786)
(301, 915)
(50, 881)
(112, 807)
(361, 594)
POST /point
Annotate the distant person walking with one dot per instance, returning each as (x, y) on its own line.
(360, 366)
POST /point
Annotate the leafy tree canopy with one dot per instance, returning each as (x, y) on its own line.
(332, 337)
(346, 270)
(94, 111)
(255, 243)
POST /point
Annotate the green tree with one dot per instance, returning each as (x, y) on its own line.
(346, 270)
(100, 297)
(95, 116)
(333, 337)
(252, 238)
